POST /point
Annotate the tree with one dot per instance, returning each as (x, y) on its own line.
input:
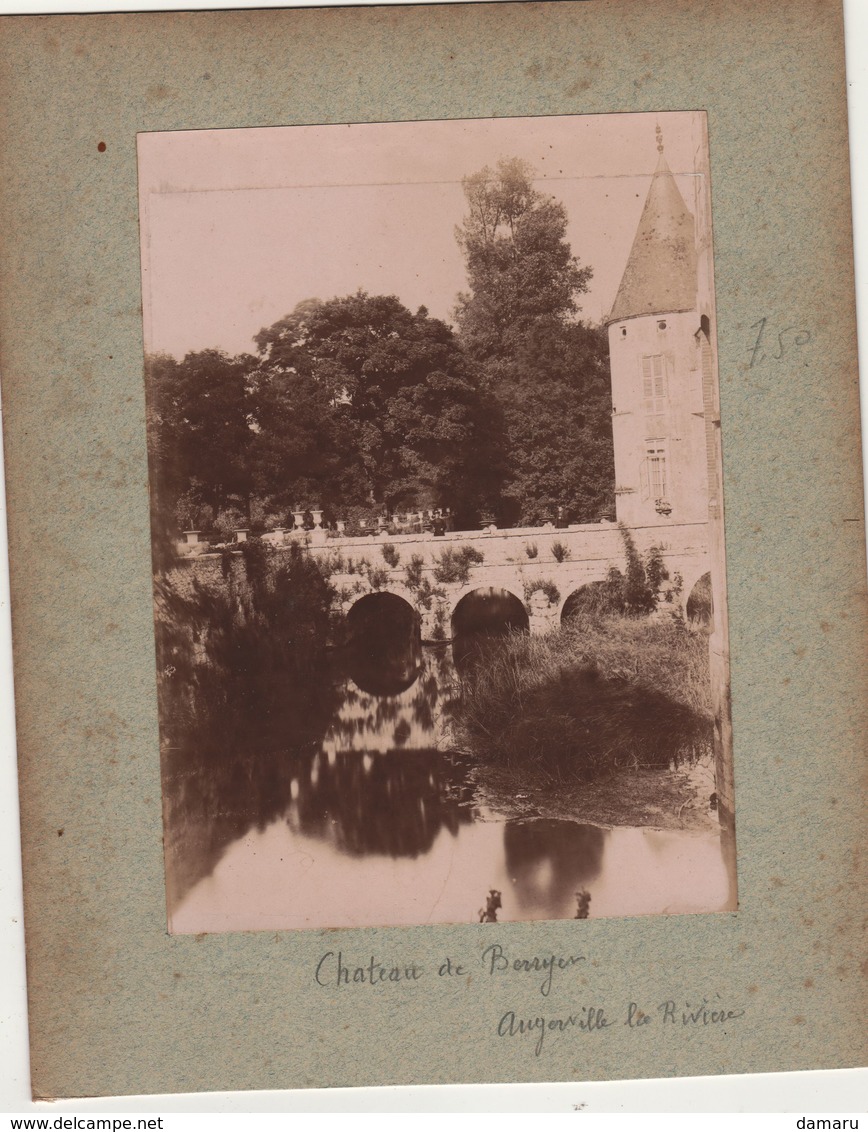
(198, 441)
(199, 425)
(387, 397)
(303, 451)
(557, 410)
(520, 267)
(547, 371)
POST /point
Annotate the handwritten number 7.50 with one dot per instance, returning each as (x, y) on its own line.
(788, 337)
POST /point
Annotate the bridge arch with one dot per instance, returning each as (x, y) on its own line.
(699, 603)
(488, 609)
(578, 583)
(380, 612)
(578, 599)
(383, 653)
(692, 570)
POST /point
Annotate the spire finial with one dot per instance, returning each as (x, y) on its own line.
(659, 133)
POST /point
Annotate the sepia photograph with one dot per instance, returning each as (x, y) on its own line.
(437, 522)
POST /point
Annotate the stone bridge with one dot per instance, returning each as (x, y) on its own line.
(525, 562)
(540, 567)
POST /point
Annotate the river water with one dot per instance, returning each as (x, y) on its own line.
(376, 823)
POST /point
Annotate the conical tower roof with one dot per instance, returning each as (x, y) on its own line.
(660, 276)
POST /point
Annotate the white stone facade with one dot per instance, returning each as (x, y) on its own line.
(658, 424)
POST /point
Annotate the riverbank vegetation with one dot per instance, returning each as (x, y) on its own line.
(600, 694)
(243, 674)
(223, 637)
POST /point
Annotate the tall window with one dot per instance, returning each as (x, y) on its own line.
(654, 382)
(654, 477)
(657, 472)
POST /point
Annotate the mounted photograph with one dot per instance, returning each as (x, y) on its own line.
(437, 522)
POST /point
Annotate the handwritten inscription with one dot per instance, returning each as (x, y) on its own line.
(702, 1015)
(332, 971)
(789, 337)
(590, 1020)
(593, 1019)
(499, 961)
(337, 969)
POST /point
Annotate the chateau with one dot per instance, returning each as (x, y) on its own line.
(656, 343)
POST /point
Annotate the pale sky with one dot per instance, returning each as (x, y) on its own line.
(240, 225)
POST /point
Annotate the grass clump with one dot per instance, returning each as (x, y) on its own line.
(378, 577)
(414, 570)
(592, 697)
(455, 565)
(560, 552)
(391, 554)
(426, 594)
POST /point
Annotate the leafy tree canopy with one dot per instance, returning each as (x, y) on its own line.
(520, 267)
(199, 424)
(357, 402)
(390, 392)
(556, 405)
(548, 372)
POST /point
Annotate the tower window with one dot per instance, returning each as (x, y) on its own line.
(657, 472)
(654, 382)
(654, 472)
(623, 331)
(661, 325)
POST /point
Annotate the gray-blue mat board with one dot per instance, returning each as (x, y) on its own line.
(119, 1006)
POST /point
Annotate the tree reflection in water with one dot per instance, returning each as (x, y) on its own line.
(380, 784)
(393, 803)
(225, 767)
(400, 697)
(352, 759)
(548, 860)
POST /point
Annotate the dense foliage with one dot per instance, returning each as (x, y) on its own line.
(547, 371)
(357, 405)
(406, 422)
(243, 679)
(521, 271)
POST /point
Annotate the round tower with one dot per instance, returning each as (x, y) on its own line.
(657, 405)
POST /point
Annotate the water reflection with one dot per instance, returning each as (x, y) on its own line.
(548, 860)
(374, 782)
(357, 813)
(278, 878)
(380, 709)
(392, 803)
(385, 672)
